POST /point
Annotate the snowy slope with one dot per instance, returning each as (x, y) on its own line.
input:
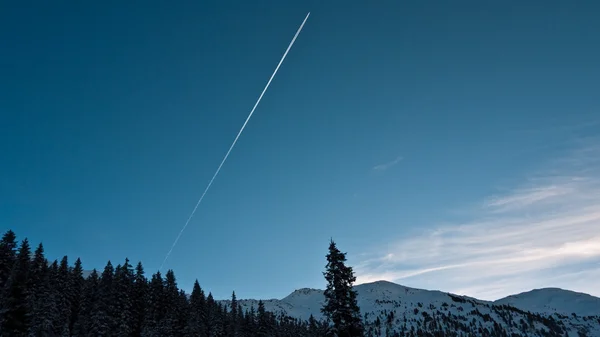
(554, 300)
(385, 305)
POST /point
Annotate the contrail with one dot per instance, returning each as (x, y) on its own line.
(235, 141)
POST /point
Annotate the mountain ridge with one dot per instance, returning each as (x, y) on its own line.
(500, 301)
(390, 308)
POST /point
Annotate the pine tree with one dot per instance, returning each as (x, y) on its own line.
(103, 314)
(340, 299)
(77, 286)
(233, 317)
(40, 300)
(171, 296)
(8, 254)
(123, 288)
(139, 301)
(182, 313)
(210, 315)
(312, 325)
(222, 320)
(89, 303)
(196, 322)
(156, 309)
(15, 307)
(316, 328)
(63, 288)
(37, 272)
(250, 328)
(54, 296)
(262, 318)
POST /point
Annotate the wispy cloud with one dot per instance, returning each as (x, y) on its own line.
(385, 166)
(545, 233)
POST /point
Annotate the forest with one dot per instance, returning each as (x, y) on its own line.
(43, 298)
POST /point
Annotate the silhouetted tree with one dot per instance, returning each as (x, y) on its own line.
(340, 299)
(139, 300)
(8, 254)
(15, 309)
(233, 317)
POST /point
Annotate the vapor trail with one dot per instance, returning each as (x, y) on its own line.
(235, 141)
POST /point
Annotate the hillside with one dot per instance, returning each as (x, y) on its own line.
(554, 300)
(388, 306)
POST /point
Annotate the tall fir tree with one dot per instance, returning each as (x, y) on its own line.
(103, 316)
(233, 317)
(156, 309)
(240, 320)
(171, 295)
(88, 304)
(40, 297)
(15, 314)
(63, 288)
(37, 271)
(8, 254)
(196, 321)
(139, 300)
(250, 328)
(123, 288)
(340, 304)
(77, 286)
(211, 316)
(262, 320)
(182, 313)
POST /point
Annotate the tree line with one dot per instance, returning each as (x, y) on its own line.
(43, 298)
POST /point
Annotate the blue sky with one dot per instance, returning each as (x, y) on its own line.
(424, 137)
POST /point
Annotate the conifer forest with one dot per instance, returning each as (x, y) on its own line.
(59, 298)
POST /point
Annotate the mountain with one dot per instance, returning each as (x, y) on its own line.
(554, 300)
(392, 309)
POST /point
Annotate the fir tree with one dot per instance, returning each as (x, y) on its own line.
(139, 300)
(37, 272)
(250, 328)
(123, 289)
(312, 325)
(181, 313)
(211, 316)
(171, 294)
(156, 310)
(88, 304)
(263, 328)
(233, 316)
(8, 253)
(340, 299)
(196, 322)
(55, 295)
(15, 309)
(103, 315)
(40, 300)
(63, 292)
(77, 287)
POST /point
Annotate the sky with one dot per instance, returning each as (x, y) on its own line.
(442, 145)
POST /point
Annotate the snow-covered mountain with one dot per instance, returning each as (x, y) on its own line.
(389, 306)
(554, 300)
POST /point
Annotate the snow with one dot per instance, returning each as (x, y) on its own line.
(411, 307)
(554, 300)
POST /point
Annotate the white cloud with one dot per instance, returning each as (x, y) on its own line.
(515, 242)
(385, 166)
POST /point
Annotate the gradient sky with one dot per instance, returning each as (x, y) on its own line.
(448, 145)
